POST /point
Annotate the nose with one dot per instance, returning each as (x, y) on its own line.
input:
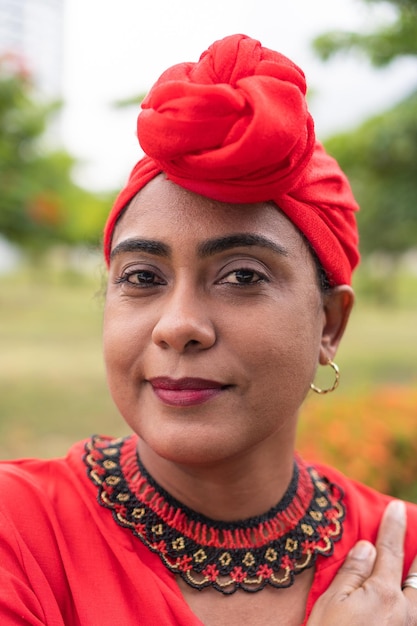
(184, 323)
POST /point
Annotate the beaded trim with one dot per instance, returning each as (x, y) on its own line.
(265, 550)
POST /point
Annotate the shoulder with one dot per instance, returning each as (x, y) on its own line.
(28, 485)
(34, 470)
(357, 493)
(364, 508)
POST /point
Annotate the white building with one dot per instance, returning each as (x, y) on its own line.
(33, 29)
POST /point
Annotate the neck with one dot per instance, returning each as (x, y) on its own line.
(231, 490)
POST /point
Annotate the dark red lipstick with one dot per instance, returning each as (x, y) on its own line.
(184, 392)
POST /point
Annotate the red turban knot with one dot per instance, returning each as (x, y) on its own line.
(235, 127)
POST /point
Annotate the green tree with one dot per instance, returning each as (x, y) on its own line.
(395, 39)
(380, 157)
(40, 205)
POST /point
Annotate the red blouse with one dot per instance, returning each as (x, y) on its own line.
(65, 562)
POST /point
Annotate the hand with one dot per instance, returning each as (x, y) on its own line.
(367, 589)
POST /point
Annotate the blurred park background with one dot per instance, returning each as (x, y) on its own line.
(52, 380)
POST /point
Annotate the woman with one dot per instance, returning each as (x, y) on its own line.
(230, 254)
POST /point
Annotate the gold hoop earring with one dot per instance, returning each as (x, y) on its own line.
(336, 380)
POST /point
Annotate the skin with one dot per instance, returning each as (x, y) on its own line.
(262, 339)
(184, 300)
(367, 588)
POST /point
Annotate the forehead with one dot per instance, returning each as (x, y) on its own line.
(164, 210)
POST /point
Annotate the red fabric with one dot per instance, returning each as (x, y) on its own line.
(65, 562)
(235, 127)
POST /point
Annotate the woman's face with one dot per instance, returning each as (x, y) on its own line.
(213, 324)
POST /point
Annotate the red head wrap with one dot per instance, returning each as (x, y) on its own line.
(235, 127)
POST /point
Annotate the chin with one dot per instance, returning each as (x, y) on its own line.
(187, 448)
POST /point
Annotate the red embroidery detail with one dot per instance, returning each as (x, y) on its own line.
(286, 561)
(184, 563)
(237, 574)
(211, 572)
(265, 572)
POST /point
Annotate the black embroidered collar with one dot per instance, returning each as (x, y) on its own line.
(265, 550)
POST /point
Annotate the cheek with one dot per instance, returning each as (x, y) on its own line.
(285, 350)
(119, 341)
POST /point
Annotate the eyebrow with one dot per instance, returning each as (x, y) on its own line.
(150, 246)
(207, 248)
(238, 240)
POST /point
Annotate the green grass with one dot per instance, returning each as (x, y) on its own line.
(379, 347)
(52, 379)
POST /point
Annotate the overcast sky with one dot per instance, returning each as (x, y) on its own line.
(114, 49)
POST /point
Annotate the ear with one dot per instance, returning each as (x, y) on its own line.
(337, 306)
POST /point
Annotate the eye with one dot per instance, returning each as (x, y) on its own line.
(243, 276)
(140, 278)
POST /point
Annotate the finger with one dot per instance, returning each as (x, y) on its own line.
(356, 569)
(410, 592)
(390, 543)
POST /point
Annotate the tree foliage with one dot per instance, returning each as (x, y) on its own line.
(380, 157)
(395, 39)
(40, 205)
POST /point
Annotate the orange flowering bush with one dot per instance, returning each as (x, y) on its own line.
(370, 437)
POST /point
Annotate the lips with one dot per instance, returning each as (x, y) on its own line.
(185, 391)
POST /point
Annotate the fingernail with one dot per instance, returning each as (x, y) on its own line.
(397, 510)
(362, 551)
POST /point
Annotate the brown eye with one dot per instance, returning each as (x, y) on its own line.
(144, 277)
(140, 278)
(246, 276)
(243, 276)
